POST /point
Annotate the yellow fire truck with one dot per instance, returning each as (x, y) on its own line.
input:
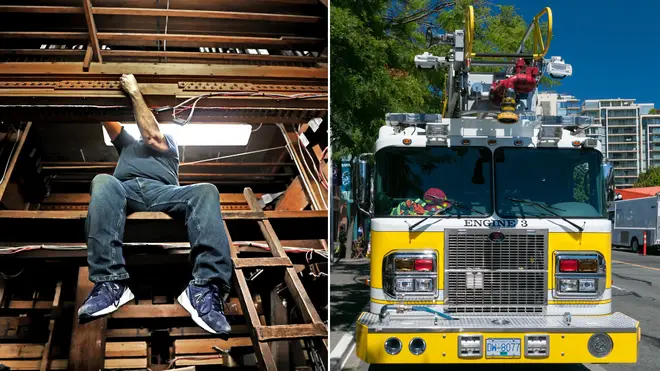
(489, 228)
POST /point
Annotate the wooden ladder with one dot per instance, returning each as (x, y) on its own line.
(261, 335)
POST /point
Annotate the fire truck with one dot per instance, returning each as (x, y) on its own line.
(490, 238)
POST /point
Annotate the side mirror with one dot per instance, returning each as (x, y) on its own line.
(363, 180)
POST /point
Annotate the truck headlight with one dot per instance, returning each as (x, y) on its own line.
(404, 284)
(568, 285)
(587, 285)
(410, 273)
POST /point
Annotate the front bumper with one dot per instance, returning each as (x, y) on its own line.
(567, 343)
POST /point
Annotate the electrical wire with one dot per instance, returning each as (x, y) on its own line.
(311, 173)
(234, 155)
(257, 129)
(289, 148)
(4, 173)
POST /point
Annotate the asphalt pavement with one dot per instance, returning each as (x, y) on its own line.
(636, 291)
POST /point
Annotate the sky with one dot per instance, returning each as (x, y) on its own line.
(613, 46)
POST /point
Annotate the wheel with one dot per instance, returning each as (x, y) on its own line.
(634, 245)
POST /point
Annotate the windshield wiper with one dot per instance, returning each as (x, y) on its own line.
(453, 203)
(548, 209)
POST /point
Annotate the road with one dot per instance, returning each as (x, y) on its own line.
(636, 291)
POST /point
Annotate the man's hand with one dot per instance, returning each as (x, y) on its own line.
(129, 85)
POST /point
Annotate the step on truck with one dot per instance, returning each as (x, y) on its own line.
(489, 223)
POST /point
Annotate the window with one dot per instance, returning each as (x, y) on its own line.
(568, 181)
(462, 173)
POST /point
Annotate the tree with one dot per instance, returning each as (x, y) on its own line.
(650, 178)
(653, 111)
(373, 43)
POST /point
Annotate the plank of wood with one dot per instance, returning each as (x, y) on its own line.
(229, 215)
(112, 70)
(89, 55)
(279, 332)
(279, 315)
(294, 198)
(261, 350)
(41, 9)
(23, 351)
(205, 346)
(198, 361)
(14, 158)
(57, 364)
(125, 349)
(209, 56)
(43, 35)
(242, 263)
(30, 304)
(283, 40)
(91, 28)
(153, 12)
(45, 358)
(232, 308)
(84, 198)
(126, 363)
(87, 351)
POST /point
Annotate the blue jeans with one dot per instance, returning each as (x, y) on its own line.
(112, 199)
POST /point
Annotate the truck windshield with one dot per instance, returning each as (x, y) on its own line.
(569, 182)
(410, 181)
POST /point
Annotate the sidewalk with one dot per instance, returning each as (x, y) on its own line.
(349, 295)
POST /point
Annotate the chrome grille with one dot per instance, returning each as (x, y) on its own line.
(495, 277)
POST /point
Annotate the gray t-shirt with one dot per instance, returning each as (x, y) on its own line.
(137, 159)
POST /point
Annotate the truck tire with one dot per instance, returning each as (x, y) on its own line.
(634, 245)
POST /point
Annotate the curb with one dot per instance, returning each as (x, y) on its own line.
(342, 351)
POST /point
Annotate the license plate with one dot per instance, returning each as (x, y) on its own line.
(502, 348)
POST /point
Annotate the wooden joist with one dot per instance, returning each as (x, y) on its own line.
(128, 349)
(205, 346)
(87, 351)
(150, 215)
(241, 263)
(299, 331)
(142, 311)
(114, 69)
(22, 351)
(14, 158)
(91, 28)
(57, 364)
(154, 12)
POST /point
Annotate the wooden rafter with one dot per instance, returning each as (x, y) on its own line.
(91, 27)
(14, 158)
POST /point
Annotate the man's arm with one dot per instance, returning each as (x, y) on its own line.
(113, 128)
(146, 121)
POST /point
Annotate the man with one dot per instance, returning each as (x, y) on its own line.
(434, 202)
(146, 179)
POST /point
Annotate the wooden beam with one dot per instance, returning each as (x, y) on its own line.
(227, 215)
(201, 39)
(294, 199)
(281, 332)
(126, 363)
(205, 346)
(45, 358)
(210, 56)
(87, 351)
(126, 349)
(58, 364)
(22, 351)
(84, 198)
(153, 12)
(47, 52)
(14, 159)
(279, 315)
(114, 70)
(242, 263)
(89, 55)
(41, 9)
(91, 28)
(232, 308)
(43, 35)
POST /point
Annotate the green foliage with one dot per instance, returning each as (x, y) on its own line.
(373, 43)
(650, 178)
(653, 111)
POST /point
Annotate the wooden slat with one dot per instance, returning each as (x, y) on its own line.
(283, 40)
(152, 12)
(112, 70)
(280, 332)
(210, 56)
(30, 304)
(294, 199)
(51, 52)
(126, 363)
(232, 308)
(45, 359)
(125, 349)
(87, 351)
(91, 28)
(205, 346)
(41, 9)
(89, 55)
(23, 351)
(12, 161)
(241, 263)
(227, 215)
(199, 361)
(58, 364)
(43, 35)
(84, 198)
(261, 350)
